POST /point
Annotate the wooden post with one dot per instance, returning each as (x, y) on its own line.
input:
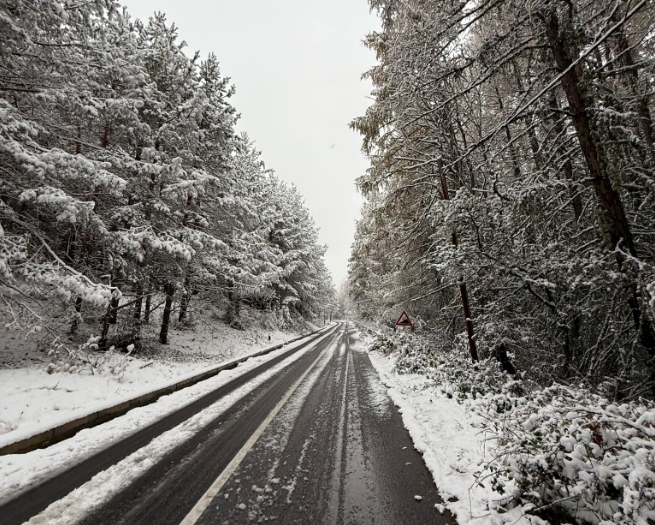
(469, 323)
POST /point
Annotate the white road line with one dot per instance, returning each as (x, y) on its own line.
(216, 487)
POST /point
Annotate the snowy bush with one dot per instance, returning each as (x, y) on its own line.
(448, 365)
(562, 453)
(570, 450)
(86, 359)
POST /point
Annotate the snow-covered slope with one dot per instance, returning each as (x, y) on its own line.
(34, 398)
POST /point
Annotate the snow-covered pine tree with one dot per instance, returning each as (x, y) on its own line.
(123, 185)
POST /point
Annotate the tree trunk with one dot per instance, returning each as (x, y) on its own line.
(104, 142)
(169, 290)
(189, 201)
(146, 314)
(102, 343)
(576, 201)
(571, 335)
(184, 302)
(469, 322)
(148, 309)
(233, 317)
(618, 228)
(76, 320)
(139, 301)
(642, 110)
(183, 306)
(534, 142)
(473, 350)
(113, 318)
(508, 136)
(610, 201)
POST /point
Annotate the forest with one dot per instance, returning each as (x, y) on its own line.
(124, 186)
(510, 199)
(508, 208)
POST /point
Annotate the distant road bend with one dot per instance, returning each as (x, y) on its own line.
(317, 442)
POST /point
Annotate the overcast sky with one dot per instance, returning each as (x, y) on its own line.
(296, 65)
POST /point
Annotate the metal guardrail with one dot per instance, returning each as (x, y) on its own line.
(70, 428)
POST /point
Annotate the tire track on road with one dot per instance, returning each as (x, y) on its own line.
(37, 498)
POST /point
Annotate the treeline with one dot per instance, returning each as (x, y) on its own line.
(513, 169)
(122, 177)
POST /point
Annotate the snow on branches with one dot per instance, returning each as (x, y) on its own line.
(512, 167)
(121, 175)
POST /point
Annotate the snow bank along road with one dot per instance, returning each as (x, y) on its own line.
(309, 436)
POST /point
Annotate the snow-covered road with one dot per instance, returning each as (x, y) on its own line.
(30, 482)
(307, 435)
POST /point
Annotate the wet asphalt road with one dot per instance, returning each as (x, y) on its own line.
(31, 502)
(336, 453)
(166, 493)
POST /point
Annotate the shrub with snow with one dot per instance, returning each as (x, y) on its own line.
(570, 449)
(561, 452)
(450, 367)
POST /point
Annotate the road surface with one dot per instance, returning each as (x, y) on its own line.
(318, 442)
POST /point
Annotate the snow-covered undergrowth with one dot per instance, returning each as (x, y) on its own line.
(19, 472)
(560, 454)
(568, 450)
(47, 380)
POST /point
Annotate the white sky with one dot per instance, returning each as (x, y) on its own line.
(296, 65)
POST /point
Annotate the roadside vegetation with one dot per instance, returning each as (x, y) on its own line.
(512, 171)
(561, 453)
(509, 208)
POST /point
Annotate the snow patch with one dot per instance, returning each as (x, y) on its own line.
(449, 437)
(18, 472)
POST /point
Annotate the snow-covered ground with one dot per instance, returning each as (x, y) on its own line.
(452, 442)
(34, 399)
(20, 471)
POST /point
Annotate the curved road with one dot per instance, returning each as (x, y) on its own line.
(318, 442)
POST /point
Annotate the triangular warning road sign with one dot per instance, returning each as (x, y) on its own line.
(404, 320)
